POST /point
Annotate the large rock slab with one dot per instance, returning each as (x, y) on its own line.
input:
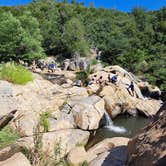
(78, 155)
(33, 99)
(76, 93)
(88, 112)
(17, 159)
(96, 154)
(98, 161)
(148, 107)
(61, 120)
(148, 147)
(67, 139)
(119, 101)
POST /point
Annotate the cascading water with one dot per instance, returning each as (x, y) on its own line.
(111, 126)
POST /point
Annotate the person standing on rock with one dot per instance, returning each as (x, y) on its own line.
(131, 88)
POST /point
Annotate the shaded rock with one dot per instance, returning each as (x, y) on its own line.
(148, 147)
(67, 139)
(17, 159)
(8, 151)
(4, 120)
(116, 157)
(88, 112)
(55, 78)
(149, 90)
(163, 96)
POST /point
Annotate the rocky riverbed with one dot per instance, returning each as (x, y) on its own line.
(71, 114)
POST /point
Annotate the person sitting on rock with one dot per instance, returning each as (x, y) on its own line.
(114, 79)
(78, 83)
(92, 81)
(51, 67)
(94, 78)
(101, 81)
(131, 87)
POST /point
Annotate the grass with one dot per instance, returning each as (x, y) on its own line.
(14, 73)
(7, 136)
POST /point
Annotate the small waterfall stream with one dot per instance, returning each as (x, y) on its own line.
(110, 125)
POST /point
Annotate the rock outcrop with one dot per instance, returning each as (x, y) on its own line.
(148, 147)
(88, 112)
(96, 155)
(73, 111)
(17, 159)
(66, 139)
(117, 97)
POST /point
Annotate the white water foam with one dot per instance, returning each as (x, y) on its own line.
(112, 127)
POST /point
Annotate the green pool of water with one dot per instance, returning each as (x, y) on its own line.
(131, 124)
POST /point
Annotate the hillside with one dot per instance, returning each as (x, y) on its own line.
(135, 40)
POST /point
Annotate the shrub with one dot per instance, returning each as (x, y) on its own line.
(16, 74)
(94, 62)
(7, 136)
(44, 121)
(84, 75)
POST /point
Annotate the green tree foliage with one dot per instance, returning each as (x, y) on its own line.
(11, 37)
(136, 40)
(32, 37)
(19, 39)
(74, 37)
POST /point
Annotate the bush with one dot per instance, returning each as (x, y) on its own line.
(84, 75)
(16, 74)
(7, 136)
(44, 121)
(94, 62)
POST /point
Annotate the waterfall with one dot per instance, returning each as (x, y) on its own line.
(110, 125)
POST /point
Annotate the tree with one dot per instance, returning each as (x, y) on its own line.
(73, 1)
(32, 37)
(74, 37)
(11, 37)
(19, 39)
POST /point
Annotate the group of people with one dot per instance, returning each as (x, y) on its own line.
(110, 79)
(101, 81)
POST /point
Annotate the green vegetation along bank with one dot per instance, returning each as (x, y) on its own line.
(135, 40)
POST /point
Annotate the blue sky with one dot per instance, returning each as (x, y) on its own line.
(123, 5)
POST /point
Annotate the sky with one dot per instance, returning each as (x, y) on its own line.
(123, 5)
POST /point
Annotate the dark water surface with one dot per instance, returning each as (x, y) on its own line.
(131, 124)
